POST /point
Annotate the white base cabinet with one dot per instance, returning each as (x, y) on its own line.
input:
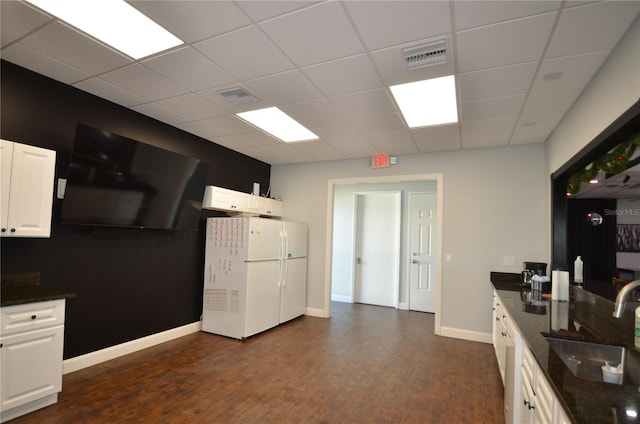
(31, 346)
(539, 404)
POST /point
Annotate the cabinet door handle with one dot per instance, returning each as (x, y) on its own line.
(34, 316)
(13, 230)
(528, 405)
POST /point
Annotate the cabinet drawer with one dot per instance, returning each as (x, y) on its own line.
(31, 316)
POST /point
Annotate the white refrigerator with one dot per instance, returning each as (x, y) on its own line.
(255, 275)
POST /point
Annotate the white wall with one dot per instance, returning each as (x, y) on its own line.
(494, 204)
(614, 89)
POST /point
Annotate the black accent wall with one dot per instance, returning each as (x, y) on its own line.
(129, 283)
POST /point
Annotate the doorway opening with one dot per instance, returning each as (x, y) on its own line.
(420, 245)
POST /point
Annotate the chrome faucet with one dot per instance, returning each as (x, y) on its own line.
(618, 308)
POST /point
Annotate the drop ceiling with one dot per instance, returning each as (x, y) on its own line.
(519, 66)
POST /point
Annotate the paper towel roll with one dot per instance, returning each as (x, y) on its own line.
(559, 316)
(554, 285)
(560, 285)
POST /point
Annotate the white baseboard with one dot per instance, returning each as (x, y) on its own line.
(403, 306)
(315, 312)
(474, 336)
(93, 358)
(340, 298)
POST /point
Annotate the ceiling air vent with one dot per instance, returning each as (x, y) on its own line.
(237, 95)
(432, 53)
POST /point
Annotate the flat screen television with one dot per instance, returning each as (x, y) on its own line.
(119, 182)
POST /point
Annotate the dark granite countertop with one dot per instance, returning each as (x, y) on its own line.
(589, 319)
(18, 289)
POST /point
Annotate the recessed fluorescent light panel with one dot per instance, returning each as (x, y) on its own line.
(428, 102)
(277, 123)
(113, 22)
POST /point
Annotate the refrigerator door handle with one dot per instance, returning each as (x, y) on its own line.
(285, 271)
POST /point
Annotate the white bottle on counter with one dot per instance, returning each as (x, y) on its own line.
(577, 270)
(637, 328)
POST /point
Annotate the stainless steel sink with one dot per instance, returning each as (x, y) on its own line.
(585, 360)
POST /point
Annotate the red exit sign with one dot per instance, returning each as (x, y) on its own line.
(380, 161)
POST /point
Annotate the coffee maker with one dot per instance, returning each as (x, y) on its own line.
(529, 269)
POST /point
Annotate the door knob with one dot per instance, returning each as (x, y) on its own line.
(415, 261)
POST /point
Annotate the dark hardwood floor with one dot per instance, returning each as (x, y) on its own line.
(366, 364)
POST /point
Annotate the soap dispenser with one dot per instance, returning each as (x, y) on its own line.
(577, 270)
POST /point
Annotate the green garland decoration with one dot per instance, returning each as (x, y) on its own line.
(617, 160)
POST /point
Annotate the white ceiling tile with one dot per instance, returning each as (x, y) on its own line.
(4, 41)
(393, 142)
(530, 130)
(312, 111)
(372, 18)
(488, 133)
(331, 129)
(194, 20)
(189, 68)
(437, 139)
(192, 107)
(44, 65)
(18, 19)
(469, 14)
(143, 82)
(259, 10)
(568, 71)
(377, 123)
(355, 73)
(352, 146)
(372, 102)
(284, 88)
(219, 100)
(592, 27)
(252, 139)
(314, 34)
(318, 150)
(277, 154)
(219, 126)
(158, 112)
(507, 43)
(543, 102)
(245, 53)
(71, 47)
(501, 82)
(393, 69)
(499, 107)
(102, 88)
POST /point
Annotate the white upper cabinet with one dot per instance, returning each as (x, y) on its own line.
(27, 190)
(235, 202)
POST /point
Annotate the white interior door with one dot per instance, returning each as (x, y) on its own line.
(422, 254)
(377, 248)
